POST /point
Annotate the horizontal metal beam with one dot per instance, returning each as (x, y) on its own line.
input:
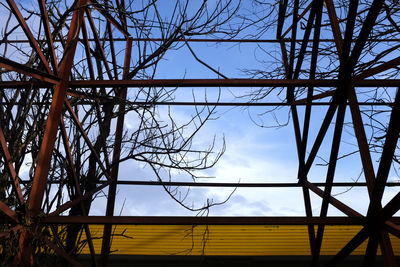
(225, 220)
(211, 184)
(229, 83)
(191, 103)
(23, 69)
(208, 83)
(210, 40)
(246, 104)
(8, 211)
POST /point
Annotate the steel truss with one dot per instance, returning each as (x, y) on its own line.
(54, 72)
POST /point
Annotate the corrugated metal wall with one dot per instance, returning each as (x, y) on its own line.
(227, 240)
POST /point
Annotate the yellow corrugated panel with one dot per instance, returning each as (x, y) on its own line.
(229, 240)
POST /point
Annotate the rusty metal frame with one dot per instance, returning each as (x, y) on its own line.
(55, 73)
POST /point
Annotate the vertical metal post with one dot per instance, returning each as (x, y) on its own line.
(25, 257)
(106, 243)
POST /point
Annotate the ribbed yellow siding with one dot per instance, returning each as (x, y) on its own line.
(228, 240)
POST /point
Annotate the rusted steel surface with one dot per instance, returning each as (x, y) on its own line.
(299, 17)
(215, 184)
(60, 90)
(365, 155)
(230, 83)
(360, 132)
(10, 166)
(335, 25)
(216, 40)
(49, 37)
(333, 201)
(77, 187)
(25, 256)
(98, 43)
(32, 40)
(8, 211)
(110, 18)
(210, 83)
(106, 243)
(15, 66)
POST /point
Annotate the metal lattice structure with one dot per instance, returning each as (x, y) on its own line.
(47, 84)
